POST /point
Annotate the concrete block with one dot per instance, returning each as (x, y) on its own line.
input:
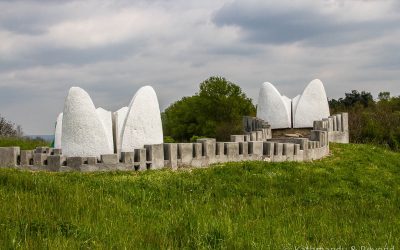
(40, 159)
(268, 149)
(288, 151)
(247, 138)
(253, 136)
(155, 154)
(185, 153)
(278, 152)
(140, 159)
(237, 138)
(345, 127)
(9, 156)
(91, 160)
(256, 148)
(109, 159)
(339, 122)
(208, 147)
(57, 151)
(26, 157)
(244, 149)
(259, 135)
(128, 157)
(75, 163)
(334, 127)
(330, 124)
(197, 150)
(42, 150)
(171, 155)
(232, 150)
(54, 162)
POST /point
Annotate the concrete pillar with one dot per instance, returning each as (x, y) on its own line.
(26, 157)
(232, 150)
(128, 157)
(247, 138)
(109, 159)
(140, 159)
(197, 150)
(9, 156)
(54, 162)
(339, 122)
(268, 149)
(253, 136)
(75, 162)
(259, 135)
(171, 155)
(185, 153)
(288, 151)
(334, 128)
(256, 148)
(42, 150)
(40, 159)
(330, 124)
(209, 147)
(155, 155)
(244, 149)
(345, 127)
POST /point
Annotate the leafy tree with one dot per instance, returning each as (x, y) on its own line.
(8, 128)
(215, 111)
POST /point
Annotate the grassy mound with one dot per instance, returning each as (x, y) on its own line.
(23, 143)
(351, 198)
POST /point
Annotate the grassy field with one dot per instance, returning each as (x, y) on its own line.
(351, 198)
(23, 143)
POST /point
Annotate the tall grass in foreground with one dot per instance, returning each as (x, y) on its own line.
(23, 142)
(351, 198)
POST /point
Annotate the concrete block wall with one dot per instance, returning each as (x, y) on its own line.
(337, 127)
(255, 145)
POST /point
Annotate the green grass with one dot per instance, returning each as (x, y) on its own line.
(23, 143)
(351, 198)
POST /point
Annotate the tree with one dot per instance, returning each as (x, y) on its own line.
(8, 129)
(215, 111)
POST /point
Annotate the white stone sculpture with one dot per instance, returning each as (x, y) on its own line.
(311, 106)
(272, 107)
(58, 132)
(106, 120)
(121, 115)
(299, 112)
(142, 124)
(83, 133)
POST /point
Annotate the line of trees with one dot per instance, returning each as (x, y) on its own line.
(371, 121)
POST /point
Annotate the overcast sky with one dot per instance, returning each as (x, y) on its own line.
(112, 48)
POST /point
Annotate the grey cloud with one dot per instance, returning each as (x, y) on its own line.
(265, 24)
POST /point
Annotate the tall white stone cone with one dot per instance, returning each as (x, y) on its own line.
(83, 133)
(142, 124)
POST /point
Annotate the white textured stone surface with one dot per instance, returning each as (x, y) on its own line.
(121, 116)
(58, 131)
(311, 106)
(106, 119)
(83, 133)
(143, 122)
(272, 107)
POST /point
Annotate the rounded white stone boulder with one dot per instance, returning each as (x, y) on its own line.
(83, 133)
(142, 125)
(272, 107)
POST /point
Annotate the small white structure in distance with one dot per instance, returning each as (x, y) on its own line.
(58, 132)
(311, 106)
(142, 124)
(106, 120)
(83, 133)
(272, 107)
